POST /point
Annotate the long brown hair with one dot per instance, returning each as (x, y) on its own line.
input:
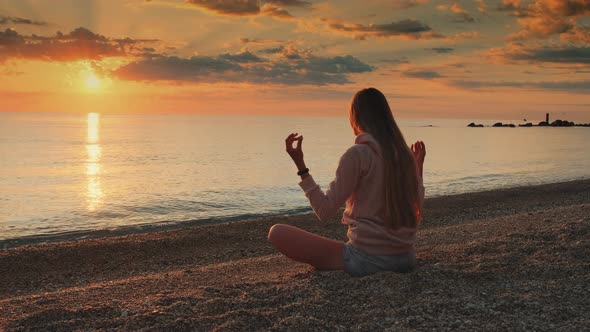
(370, 113)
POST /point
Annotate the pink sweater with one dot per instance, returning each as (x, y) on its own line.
(360, 183)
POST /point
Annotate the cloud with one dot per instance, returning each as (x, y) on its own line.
(557, 55)
(543, 18)
(482, 6)
(405, 4)
(545, 54)
(334, 65)
(423, 74)
(229, 7)
(514, 7)
(292, 52)
(408, 29)
(569, 7)
(405, 29)
(441, 50)
(399, 61)
(79, 44)
(290, 68)
(570, 86)
(244, 57)
(174, 68)
(17, 20)
(541, 27)
(272, 50)
(461, 14)
(258, 41)
(577, 35)
(273, 8)
(10, 38)
(464, 18)
(290, 3)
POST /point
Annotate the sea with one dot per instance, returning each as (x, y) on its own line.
(77, 173)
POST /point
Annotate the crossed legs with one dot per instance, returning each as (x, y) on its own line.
(305, 247)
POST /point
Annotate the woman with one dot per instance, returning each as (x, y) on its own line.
(380, 179)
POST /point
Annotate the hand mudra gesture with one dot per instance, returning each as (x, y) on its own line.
(296, 152)
(419, 151)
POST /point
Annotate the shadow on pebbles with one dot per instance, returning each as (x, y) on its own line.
(519, 272)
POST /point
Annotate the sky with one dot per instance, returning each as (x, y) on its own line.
(471, 59)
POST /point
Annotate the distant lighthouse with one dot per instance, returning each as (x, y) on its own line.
(547, 118)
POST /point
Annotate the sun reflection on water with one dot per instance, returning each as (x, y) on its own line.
(93, 192)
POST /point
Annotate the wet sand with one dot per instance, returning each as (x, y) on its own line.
(506, 259)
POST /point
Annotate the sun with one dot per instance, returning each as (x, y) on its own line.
(92, 81)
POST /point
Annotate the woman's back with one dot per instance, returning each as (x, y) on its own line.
(376, 242)
(369, 227)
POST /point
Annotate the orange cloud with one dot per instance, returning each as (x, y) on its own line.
(229, 7)
(457, 9)
(541, 27)
(568, 7)
(462, 15)
(544, 18)
(80, 44)
(407, 29)
(482, 6)
(273, 8)
(577, 35)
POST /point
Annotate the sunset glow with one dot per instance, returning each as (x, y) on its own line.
(494, 59)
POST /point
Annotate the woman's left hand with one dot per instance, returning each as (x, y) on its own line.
(296, 152)
(419, 151)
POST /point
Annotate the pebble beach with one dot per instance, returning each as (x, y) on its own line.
(507, 259)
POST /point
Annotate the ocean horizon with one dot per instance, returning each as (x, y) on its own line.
(64, 173)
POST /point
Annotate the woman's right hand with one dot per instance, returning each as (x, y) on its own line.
(296, 152)
(419, 151)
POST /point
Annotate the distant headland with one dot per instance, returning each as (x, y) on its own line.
(546, 123)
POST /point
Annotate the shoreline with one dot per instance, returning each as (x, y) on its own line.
(508, 259)
(176, 225)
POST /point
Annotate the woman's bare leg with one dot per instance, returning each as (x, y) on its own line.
(306, 247)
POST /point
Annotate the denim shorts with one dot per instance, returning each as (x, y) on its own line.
(358, 263)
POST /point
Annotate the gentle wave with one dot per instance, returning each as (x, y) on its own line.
(141, 228)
